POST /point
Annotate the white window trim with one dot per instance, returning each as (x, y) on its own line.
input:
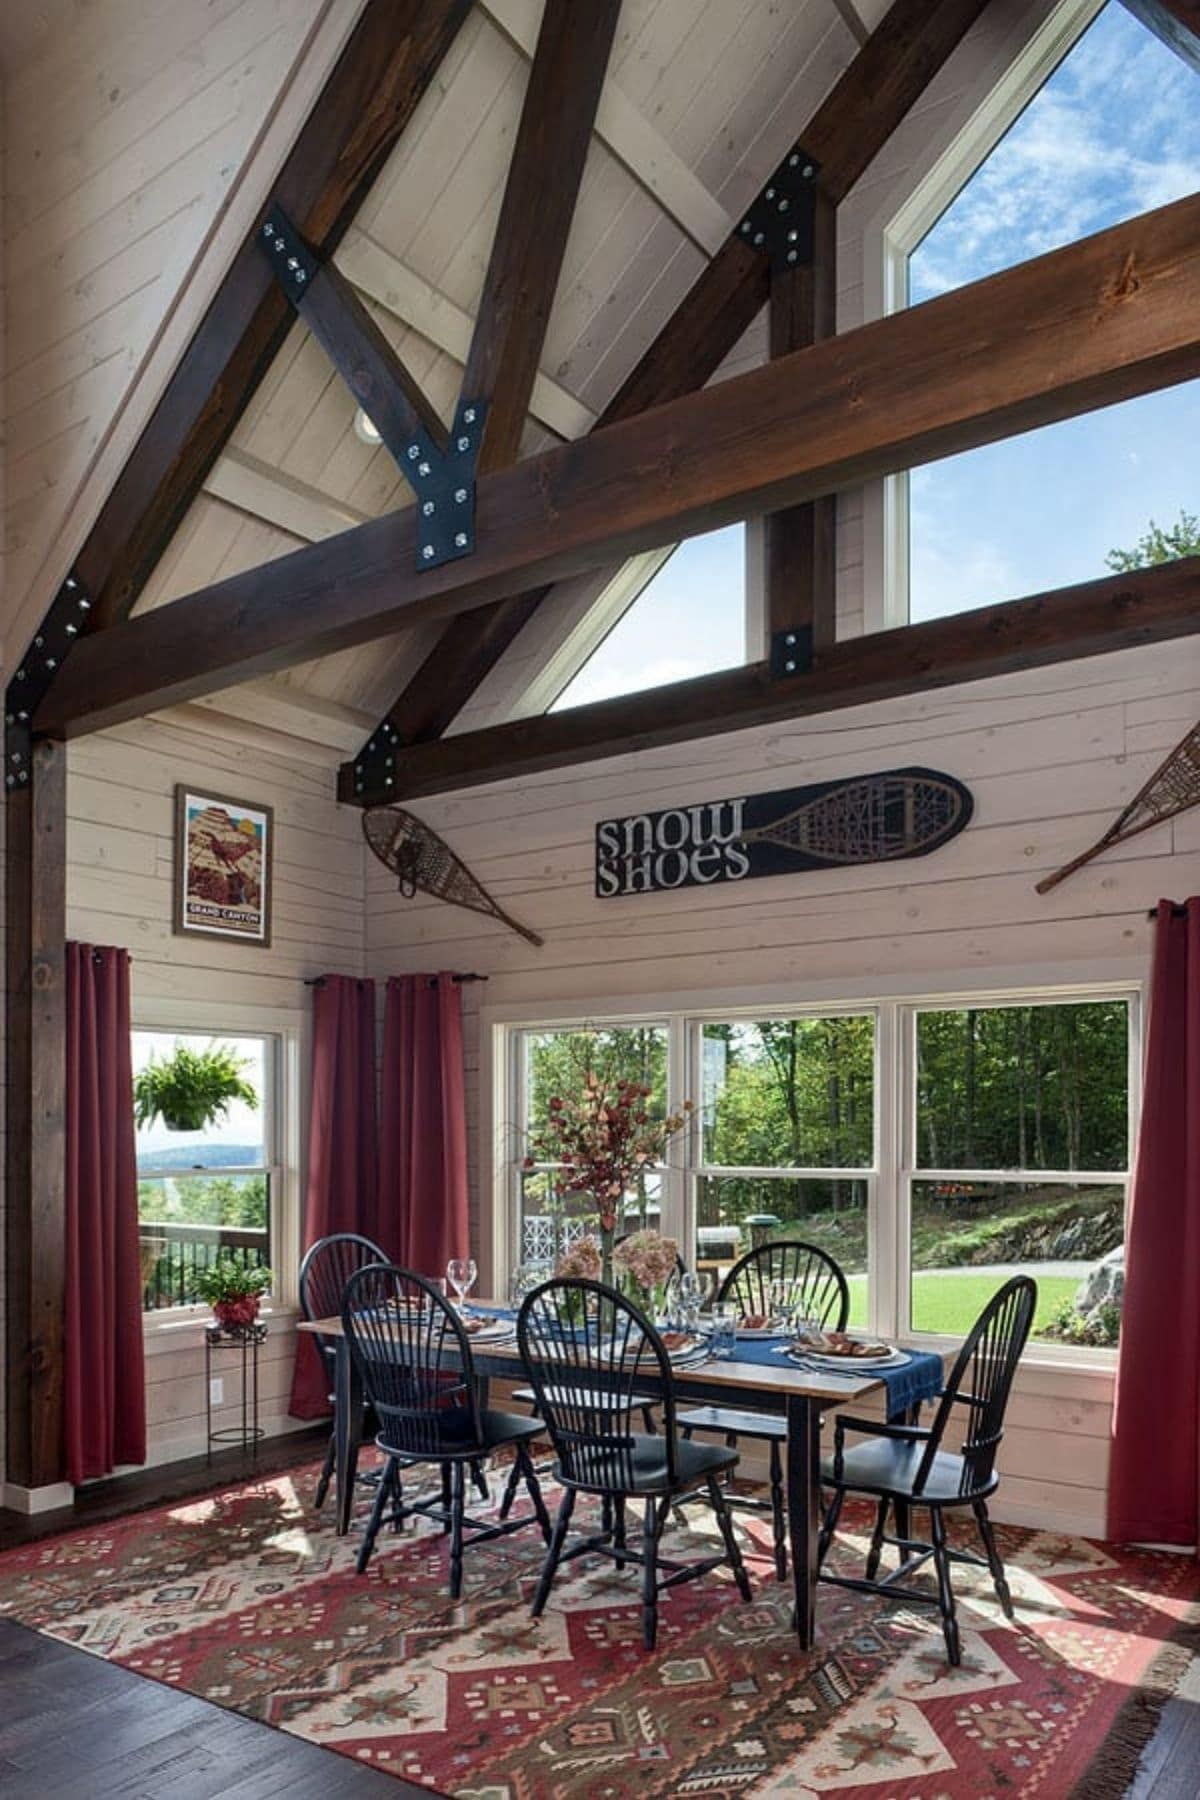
(931, 182)
(888, 1180)
(166, 1330)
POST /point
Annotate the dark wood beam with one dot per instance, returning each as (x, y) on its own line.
(544, 175)
(1115, 613)
(1112, 316)
(874, 93)
(387, 65)
(35, 1138)
(389, 395)
(800, 549)
(1176, 22)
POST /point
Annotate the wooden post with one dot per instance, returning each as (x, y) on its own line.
(800, 560)
(35, 1147)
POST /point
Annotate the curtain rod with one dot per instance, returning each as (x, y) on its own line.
(1177, 911)
(467, 975)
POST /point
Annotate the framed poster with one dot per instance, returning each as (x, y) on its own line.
(223, 852)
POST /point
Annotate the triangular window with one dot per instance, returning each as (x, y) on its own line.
(1113, 132)
(689, 619)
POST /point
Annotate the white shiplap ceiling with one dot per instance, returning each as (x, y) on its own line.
(702, 100)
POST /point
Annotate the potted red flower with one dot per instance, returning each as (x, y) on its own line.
(234, 1291)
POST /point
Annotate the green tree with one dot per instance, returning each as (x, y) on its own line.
(1159, 546)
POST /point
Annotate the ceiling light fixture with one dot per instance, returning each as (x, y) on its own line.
(365, 429)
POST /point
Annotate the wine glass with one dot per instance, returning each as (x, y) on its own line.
(693, 1291)
(461, 1273)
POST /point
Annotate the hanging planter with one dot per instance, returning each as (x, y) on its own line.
(191, 1088)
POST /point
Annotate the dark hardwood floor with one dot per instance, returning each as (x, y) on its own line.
(73, 1727)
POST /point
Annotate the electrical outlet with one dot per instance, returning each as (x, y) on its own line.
(216, 1390)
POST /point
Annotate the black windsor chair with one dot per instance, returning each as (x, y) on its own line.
(418, 1376)
(327, 1267)
(585, 1346)
(819, 1289)
(905, 1466)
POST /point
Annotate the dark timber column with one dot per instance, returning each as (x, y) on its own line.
(35, 1146)
(800, 542)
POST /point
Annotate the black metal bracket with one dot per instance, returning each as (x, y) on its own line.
(444, 482)
(31, 679)
(791, 651)
(780, 221)
(374, 766)
(291, 259)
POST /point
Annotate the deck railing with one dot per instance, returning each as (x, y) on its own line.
(174, 1256)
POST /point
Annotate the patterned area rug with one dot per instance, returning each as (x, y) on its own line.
(247, 1598)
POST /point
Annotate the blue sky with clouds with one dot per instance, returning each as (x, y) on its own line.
(1114, 132)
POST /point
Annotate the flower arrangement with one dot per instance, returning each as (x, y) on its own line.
(582, 1262)
(601, 1138)
(233, 1290)
(647, 1259)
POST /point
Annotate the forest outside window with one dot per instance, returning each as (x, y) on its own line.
(210, 1191)
(1021, 1125)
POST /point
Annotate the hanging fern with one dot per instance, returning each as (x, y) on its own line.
(191, 1088)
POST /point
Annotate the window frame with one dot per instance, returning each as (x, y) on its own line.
(888, 1180)
(288, 1059)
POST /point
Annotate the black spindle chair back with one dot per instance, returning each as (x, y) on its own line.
(414, 1358)
(980, 1381)
(818, 1284)
(587, 1349)
(327, 1267)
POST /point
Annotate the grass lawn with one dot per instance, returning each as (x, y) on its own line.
(952, 1302)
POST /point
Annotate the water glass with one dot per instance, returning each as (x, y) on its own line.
(723, 1339)
(806, 1330)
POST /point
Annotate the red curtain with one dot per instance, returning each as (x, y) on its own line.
(343, 1167)
(423, 1142)
(1154, 1477)
(104, 1419)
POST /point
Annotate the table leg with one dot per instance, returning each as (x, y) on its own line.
(804, 1507)
(347, 1430)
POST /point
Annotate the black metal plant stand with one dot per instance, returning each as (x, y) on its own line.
(247, 1339)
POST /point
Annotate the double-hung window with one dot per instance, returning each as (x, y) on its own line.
(214, 1191)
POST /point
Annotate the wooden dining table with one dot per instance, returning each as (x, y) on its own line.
(795, 1393)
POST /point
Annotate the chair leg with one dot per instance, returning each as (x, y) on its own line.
(941, 1561)
(480, 1480)
(458, 1501)
(1003, 1593)
(829, 1523)
(732, 1548)
(373, 1523)
(619, 1527)
(326, 1475)
(554, 1550)
(524, 1463)
(650, 1531)
(447, 1503)
(876, 1550)
(398, 1496)
(778, 1513)
(510, 1488)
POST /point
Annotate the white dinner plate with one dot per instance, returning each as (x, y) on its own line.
(759, 1333)
(846, 1365)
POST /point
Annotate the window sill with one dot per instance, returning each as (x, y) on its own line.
(182, 1327)
(1051, 1359)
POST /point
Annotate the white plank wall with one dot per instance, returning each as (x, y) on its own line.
(120, 871)
(1050, 757)
(126, 133)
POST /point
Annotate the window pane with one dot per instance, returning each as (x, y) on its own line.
(559, 1062)
(1024, 1087)
(789, 1093)
(550, 1223)
(186, 1222)
(969, 1237)
(236, 1137)
(829, 1213)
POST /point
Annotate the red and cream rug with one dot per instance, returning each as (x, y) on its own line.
(248, 1599)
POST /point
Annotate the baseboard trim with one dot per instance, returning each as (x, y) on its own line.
(32, 1501)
